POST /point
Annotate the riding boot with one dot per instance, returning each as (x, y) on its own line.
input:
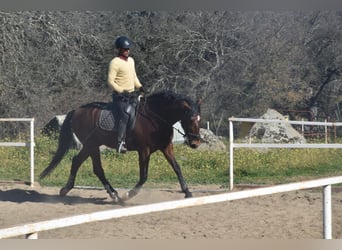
(121, 147)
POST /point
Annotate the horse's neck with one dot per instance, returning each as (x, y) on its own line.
(164, 116)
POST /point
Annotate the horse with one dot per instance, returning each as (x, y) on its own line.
(152, 131)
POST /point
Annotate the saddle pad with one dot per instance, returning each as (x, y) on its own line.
(106, 120)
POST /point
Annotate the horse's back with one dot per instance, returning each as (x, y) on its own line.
(85, 118)
(89, 113)
(97, 105)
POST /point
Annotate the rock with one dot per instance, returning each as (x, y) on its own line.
(275, 132)
(210, 141)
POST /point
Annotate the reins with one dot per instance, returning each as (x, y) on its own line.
(179, 131)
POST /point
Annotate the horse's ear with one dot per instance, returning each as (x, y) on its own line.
(199, 101)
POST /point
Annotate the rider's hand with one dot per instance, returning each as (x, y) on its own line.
(142, 90)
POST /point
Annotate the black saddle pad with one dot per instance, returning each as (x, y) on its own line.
(106, 120)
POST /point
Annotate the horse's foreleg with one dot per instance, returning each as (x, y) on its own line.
(76, 163)
(70, 185)
(98, 171)
(169, 155)
(144, 159)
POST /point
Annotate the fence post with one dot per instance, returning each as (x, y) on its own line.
(231, 156)
(32, 236)
(326, 131)
(327, 231)
(32, 151)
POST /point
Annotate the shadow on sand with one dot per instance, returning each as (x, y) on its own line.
(21, 195)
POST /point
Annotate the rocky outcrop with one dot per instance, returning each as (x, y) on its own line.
(275, 132)
(210, 141)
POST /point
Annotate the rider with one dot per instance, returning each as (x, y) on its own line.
(123, 80)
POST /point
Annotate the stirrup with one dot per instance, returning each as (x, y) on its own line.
(121, 148)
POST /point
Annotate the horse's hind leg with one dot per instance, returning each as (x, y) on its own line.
(98, 171)
(76, 163)
(144, 159)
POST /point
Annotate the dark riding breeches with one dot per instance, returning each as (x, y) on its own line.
(125, 110)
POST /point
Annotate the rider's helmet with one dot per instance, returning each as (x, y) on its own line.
(122, 42)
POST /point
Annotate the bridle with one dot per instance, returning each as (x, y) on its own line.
(190, 135)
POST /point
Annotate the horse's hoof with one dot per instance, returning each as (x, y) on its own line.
(63, 192)
(188, 195)
(116, 198)
(126, 197)
(131, 193)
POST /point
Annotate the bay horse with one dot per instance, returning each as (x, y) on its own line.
(152, 131)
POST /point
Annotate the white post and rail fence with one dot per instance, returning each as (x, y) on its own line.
(29, 144)
(233, 144)
(31, 230)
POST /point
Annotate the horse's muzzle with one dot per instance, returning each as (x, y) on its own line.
(193, 143)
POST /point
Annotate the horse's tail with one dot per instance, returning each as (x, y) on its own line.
(64, 142)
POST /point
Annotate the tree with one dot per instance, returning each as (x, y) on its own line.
(238, 63)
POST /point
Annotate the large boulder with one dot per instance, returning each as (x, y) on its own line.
(210, 141)
(275, 132)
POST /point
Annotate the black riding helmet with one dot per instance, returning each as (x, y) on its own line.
(122, 42)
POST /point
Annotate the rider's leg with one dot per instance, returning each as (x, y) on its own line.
(122, 127)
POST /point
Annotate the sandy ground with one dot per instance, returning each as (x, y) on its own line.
(292, 215)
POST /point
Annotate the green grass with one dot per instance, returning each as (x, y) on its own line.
(285, 165)
(273, 166)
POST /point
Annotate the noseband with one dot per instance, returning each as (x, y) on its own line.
(190, 135)
(193, 136)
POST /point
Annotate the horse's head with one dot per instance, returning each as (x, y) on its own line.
(190, 124)
(169, 107)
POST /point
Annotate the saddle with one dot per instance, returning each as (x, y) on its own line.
(107, 120)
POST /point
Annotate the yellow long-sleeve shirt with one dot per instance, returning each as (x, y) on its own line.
(122, 75)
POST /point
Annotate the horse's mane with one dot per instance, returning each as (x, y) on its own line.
(167, 96)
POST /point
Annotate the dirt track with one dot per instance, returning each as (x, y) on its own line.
(293, 215)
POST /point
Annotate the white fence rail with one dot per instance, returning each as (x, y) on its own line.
(23, 144)
(31, 230)
(233, 144)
